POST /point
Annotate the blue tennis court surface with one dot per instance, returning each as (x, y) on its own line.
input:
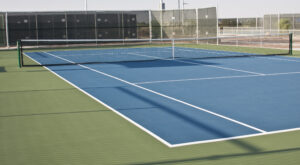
(190, 101)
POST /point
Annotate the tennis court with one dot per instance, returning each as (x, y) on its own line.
(185, 100)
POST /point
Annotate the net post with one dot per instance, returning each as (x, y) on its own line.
(291, 44)
(19, 49)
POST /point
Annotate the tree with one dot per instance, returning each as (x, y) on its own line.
(285, 24)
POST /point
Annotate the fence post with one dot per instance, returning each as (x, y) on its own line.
(96, 31)
(197, 25)
(293, 23)
(278, 23)
(218, 30)
(6, 30)
(161, 24)
(66, 21)
(150, 26)
(237, 26)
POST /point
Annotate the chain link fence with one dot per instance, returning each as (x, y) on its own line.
(240, 26)
(2, 30)
(191, 23)
(282, 23)
(269, 24)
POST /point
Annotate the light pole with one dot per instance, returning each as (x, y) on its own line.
(85, 5)
(217, 10)
(179, 11)
(183, 4)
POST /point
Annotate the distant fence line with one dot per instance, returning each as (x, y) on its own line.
(233, 31)
(191, 23)
(272, 23)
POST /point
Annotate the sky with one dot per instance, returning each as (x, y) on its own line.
(226, 8)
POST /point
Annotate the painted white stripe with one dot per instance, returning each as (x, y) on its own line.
(188, 62)
(280, 59)
(194, 79)
(84, 55)
(225, 68)
(209, 51)
(152, 57)
(234, 138)
(238, 70)
(113, 54)
(286, 73)
(165, 96)
(215, 78)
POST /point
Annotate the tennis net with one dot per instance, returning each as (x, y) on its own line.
(64, 52)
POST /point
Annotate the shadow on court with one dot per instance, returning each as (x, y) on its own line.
(127, 64)
(163, 63)
(38, 90)
(2, 69)
(191, 121)
(220, 157)
(54, 113)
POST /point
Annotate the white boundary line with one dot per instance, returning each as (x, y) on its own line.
(188, 62)
(225, 68)
(280, 59)
(165, 96)
(188, 49)
(215, 78)
(211, 51)
(234, 138)
(76, 55)
(115, 54)
(154, 135)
